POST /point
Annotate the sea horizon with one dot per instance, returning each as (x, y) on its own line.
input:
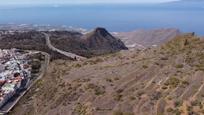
(114, 17)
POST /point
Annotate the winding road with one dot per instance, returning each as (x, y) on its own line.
(6, 109)
(68, 54)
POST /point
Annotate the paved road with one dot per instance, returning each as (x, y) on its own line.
(68, 54)
(15, 100)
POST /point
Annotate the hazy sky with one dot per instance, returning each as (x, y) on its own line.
(3, 2)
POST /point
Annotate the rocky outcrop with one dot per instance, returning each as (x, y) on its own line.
(101, 40)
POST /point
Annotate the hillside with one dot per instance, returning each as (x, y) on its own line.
(98, 42)
(28, 40)
(147, 38)
(167, 80)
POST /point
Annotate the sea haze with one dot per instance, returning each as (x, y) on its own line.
(113, 17)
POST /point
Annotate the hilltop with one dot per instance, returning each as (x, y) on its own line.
(163, 80)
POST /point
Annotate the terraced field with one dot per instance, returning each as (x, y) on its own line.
(168, 80)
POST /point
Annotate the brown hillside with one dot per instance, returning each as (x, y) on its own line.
(147, 38)
(159, 81)
(97, 42)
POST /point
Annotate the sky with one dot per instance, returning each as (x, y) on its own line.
(14, 2)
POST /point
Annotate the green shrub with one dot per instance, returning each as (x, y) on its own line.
(118, 97)
(117, 113)
(145, 66)
(109, 80)
(78, 65)
(178, 103)
(177, 112)
(98, 60)
(132, 98)
(196, 103)
(122, 113)
(169, 110)
(164, 87)
(81, 109)
(172, 82)
(119, 91)
(97, 89)
(185, 83)
(116, 79)
(179, 66)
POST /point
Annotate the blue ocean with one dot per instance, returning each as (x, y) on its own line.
(113, 17)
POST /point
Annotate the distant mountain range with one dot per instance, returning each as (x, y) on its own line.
(190, 1)
(147, 38)
(186, 4)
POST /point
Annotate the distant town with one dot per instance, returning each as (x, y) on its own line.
(15, 76)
